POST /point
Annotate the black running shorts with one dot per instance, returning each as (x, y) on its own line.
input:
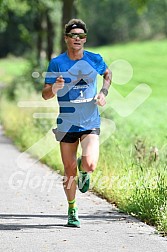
(72, 137)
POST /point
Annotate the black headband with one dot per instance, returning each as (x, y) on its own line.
(74, 26)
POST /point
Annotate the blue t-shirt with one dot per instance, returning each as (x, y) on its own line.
(78, 110)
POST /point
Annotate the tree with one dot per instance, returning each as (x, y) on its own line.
(108, 21)
(12, 21)
(68, 12)
(31, 24)
(44, 27)
(139, 4)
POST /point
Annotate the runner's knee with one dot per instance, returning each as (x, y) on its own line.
(89, 166)
(70, 169)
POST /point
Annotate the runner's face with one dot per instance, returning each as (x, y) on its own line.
(75, 43)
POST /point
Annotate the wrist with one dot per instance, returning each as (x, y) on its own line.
(54, 89)
(104, 91)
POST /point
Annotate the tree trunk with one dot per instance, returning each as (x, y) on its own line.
(50, 36)
(165, 17)
(39, 29)
(67, 14)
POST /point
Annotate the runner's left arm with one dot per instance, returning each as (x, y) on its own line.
(101, 97)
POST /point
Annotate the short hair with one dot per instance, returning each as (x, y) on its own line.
(75, 23)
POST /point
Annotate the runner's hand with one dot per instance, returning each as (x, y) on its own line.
(59, 84)
(100, 99)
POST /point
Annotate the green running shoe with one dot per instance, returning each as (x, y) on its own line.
(84, 178)
(73, 220)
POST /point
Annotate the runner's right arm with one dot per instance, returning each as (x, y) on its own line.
(50, 90)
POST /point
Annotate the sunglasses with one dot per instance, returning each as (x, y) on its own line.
(75, 35)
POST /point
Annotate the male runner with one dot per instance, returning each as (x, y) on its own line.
(72, 77)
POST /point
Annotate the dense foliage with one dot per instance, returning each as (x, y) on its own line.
(36, 26)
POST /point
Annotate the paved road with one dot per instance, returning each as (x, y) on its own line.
(33, 214)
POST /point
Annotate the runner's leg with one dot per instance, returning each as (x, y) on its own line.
(68, 154)
(90, 152)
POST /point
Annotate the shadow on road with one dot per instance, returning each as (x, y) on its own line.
(14, 226)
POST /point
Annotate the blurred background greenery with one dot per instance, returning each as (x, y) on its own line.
(29, 26)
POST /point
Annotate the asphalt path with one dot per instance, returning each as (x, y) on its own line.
(33, 214)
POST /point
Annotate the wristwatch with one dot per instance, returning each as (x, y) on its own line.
(104, 91)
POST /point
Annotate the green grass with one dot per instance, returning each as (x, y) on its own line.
(11, 68)
(148, 60)
(128, 174)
